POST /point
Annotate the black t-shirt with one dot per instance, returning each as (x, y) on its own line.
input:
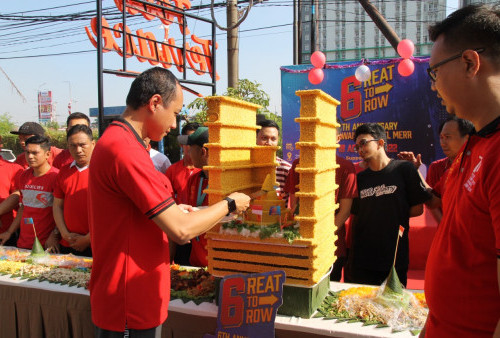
(384, 202)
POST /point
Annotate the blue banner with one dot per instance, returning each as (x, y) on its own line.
(406, 107)
(248, 304)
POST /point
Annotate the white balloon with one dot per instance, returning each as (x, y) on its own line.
(363, 73)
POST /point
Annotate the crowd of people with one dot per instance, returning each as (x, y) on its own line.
(126, 206)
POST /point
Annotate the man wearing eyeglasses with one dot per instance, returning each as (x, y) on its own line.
(390, 192)
(463, 268)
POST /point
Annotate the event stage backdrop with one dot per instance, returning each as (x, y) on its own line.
(406, 106)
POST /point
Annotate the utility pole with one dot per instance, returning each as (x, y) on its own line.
(233, 22)
(381, 23)
(295, 34)
(299, 32)
(314, 26)
(232, 44)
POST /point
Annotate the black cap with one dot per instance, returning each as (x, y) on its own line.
(199, 137)
(30, 128)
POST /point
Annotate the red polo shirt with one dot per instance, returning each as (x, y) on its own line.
(37, 199)
(130, 280)
(461, 285)
(179, 174)
(62, 159)
(292, 179)
(345, 178)
(9, 173)
(21, 158)
(437, 170)
(196, 184)
(72, 187)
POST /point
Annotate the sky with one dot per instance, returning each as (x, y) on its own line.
(69, 68)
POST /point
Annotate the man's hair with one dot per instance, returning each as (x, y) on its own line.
(267, 124)
(474, 26)
(40, 140)
(190, 126)
(373, 129)
(77, 116)
(80, 128)
(465, 127)
(153, 81)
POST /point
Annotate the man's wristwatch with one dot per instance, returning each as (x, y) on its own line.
(231, 204)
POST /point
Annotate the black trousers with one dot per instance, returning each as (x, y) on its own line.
(336, 273)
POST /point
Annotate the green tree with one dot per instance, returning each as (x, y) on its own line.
(247, 90)
(6, 124)
(251, 92)
(52, 125)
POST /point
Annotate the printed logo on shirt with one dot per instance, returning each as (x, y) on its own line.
(42, 197)
(378, 191)
(37, 199)
(471, 181)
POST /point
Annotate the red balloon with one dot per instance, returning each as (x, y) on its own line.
(318, 59)
(406, 48)
(406, 67)
(316, 75)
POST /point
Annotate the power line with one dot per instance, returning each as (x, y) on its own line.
(56, 7)
(44, 55)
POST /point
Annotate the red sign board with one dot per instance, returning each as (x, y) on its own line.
(146, 47)
(44, 105)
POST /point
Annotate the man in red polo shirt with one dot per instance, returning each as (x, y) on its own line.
(9, 173)
(64, 157)
(27, 130)
(453, 134)
(71, 191)
(35, 186)
(132, 211)
(179, 174)
(195, 186)
(462, 276)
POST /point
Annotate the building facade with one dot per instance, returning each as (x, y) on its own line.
(470, 2)
(344, 32)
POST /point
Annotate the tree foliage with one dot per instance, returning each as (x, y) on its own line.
(247, 90)
(6, 124)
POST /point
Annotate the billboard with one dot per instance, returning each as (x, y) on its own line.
(406, 107)
(45, 106)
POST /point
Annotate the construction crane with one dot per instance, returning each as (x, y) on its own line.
(13, 85)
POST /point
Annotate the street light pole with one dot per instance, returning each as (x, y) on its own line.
(70, 101)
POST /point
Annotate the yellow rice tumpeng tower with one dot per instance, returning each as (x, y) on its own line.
(237, 164)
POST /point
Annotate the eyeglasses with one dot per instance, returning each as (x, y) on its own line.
(432, 71)
(363, 143)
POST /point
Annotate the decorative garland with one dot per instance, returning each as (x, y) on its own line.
(353, 65)
(290, 233)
